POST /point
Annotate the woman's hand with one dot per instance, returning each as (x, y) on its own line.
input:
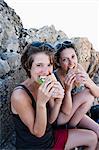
(84, 78)
(81, 76)
(56, 101)
(69, 80)
(58, 93)
(45, 92)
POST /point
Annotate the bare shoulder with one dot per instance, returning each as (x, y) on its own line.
(19, 95)
(19, 100)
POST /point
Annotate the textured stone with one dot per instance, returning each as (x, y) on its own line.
(13, 38)
(4, 67)
(13, 59)
(46, 33)
(11, 26)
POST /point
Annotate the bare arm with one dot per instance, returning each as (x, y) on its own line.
(65, 109)
(67, 102)
(94, 89)
(56, 101)
(54, 111)
(22, 104)
(36, 121)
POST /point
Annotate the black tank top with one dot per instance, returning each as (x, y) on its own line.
(26, 140)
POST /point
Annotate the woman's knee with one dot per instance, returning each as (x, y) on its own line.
(93, 137)
(85, 137)
(83, 100)
(88, 96)
(85, 96)
(87, 102)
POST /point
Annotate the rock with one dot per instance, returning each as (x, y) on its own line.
(4, 67)
(10, 28)
(83, 48)
(13, 38)
(13, 59)
(45, 33)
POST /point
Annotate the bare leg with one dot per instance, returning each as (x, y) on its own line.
(81, 137)
(80, 99)
(81, 104)
(79, 113)
(97, 146)
(87, 122)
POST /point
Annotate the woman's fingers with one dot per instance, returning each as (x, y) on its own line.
(52, 89)
(45, 84)
(69, 78)
(58, 85)
(82, 76)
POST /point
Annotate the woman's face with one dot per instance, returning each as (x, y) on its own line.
(68, 59)
(41, 66)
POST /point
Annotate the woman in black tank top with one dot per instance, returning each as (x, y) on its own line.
(32, 113)
(36, 103)
(32, 141)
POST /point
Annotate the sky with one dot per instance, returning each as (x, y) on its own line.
(77, 18)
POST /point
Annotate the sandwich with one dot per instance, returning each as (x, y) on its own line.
(42, 79)
(78, 70)
(77, 82)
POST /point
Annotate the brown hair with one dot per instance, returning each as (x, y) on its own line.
(59, 48)
(34, 48)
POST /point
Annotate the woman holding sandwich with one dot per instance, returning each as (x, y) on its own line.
(80, 90)
(36, 103)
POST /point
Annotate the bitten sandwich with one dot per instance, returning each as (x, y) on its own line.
(42, 79)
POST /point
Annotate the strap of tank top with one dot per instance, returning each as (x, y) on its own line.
(29, 93)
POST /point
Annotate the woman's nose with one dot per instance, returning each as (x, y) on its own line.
(70, 62)
(45, 71)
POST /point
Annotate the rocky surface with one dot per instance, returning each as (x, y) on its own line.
(13, 38)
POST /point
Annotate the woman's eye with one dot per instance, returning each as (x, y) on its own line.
(49, 65)
(73, 56)
(38, 65)
(65, 60)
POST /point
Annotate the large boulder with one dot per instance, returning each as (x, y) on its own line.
(13, 38)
